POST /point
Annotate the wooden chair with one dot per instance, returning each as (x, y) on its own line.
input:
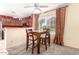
(43, 40)
(46, 38)
(30, 40)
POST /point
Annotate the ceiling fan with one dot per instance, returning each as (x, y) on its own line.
(36, 5)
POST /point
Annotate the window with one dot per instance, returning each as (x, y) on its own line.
(48, 22)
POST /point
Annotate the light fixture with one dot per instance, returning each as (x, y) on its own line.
(37, 10)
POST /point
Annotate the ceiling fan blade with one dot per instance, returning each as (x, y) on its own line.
(28, 6)
(36, 5)
(43, 6)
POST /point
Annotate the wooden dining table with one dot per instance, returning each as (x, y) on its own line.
(38, 34)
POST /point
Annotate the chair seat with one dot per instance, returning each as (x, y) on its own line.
(43, 35)
(35, 38)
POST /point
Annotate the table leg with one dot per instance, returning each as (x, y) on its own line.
(49, 40)
(38, 45)
(27, 42)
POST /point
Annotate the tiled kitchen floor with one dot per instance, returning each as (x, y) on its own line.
(52, 50)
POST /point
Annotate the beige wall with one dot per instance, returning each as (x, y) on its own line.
(71, 34)
(14, 37)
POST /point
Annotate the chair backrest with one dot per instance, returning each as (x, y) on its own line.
(30, 35)
(46, 29)
(48, 33)
(28, 32)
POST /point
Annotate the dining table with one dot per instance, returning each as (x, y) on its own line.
(38, 34)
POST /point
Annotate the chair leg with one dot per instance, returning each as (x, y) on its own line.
(45, 42)
(33, 47)
(42, 41)
(49, 41)
(27, 43)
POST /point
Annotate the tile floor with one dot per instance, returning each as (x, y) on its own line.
(52, 50)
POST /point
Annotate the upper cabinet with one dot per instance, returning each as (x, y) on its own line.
(15, 22)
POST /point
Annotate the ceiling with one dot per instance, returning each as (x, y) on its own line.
(18, 10)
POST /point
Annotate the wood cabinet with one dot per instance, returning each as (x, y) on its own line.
(16, 22)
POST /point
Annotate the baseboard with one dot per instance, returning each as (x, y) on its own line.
(71, 47)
